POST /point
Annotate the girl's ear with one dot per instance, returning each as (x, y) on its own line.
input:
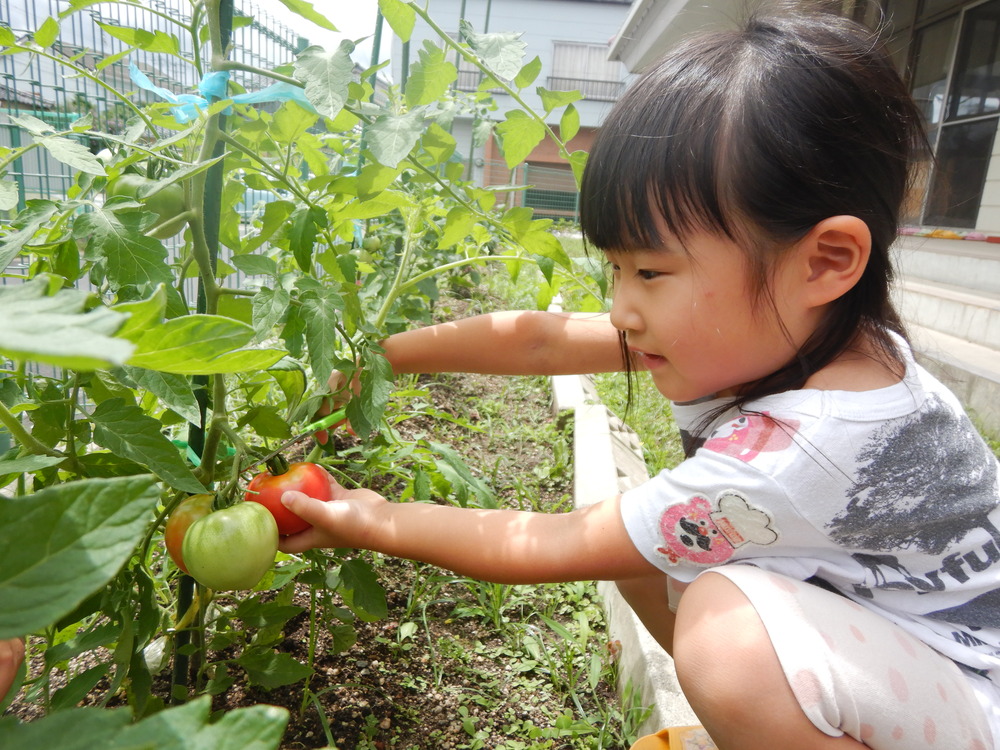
(833, 257)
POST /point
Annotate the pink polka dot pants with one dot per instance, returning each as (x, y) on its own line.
(854, 672)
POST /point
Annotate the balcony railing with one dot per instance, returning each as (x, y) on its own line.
(608, 91)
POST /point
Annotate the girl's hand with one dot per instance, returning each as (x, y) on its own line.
(341, 394)
(11, 656)
(348, 520)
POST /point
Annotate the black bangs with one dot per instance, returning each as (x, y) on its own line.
(655, 162)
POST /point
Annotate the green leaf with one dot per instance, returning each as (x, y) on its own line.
(302, 234)
(327, 76)
(400, 15)
(142, 314)
(130, 257)
(365, 412)
(276, 213)
(527, 75)
(552, 100)
(375, 178)
(174, 391)
(291, 379)
(322, 312)
(430, 77)
(438, 143)
(364, 592)
(179, 344)
(540, 241)
(459, 473)
(255, 265)
(8, 195)
(306, 10)
(271, 670)
(38, 128)
(56, 330)
(391, 137)
(386, 202)
(501, 52)
(241, 360)
(132, 36)
(267, 422)
(65, 542)
(28, 464)
(150, 41)
(47, 33)
(185, 727)
(73, 154)
(569, 124)
(270, 307)
(7, 38)
(128, 432)
(27, 223)
(457, 226)
(519, 134)
(577, 161)
(291, 122)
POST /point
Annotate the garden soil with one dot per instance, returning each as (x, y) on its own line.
(450, 682)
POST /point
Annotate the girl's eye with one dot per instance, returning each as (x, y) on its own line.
(646, 274)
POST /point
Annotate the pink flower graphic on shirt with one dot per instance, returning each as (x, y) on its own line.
(748, 436)
(702, 534)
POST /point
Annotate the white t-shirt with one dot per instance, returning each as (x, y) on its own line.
(889, 496)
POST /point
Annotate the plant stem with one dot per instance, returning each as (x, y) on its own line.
(224, 64)
(409, 242)
(22, 436)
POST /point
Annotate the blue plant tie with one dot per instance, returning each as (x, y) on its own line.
(212, 87)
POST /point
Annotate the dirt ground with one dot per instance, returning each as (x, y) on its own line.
(448, 680)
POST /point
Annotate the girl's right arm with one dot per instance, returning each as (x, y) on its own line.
(499, 545)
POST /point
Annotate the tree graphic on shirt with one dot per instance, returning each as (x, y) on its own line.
(922, 483)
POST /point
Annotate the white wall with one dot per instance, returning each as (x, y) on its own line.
(541, 22)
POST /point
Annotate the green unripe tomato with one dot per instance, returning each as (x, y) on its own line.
(371, 243)
(232, 548)
(167, 204)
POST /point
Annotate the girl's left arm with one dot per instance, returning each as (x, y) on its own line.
(503, 546)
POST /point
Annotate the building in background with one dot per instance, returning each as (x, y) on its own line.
(572, 40)
(949, 53)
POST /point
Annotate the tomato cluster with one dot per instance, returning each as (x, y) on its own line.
(233, 548)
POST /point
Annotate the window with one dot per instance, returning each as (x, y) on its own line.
(586, 68)
(962, 111)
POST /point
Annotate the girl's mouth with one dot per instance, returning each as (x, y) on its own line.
(646, 359)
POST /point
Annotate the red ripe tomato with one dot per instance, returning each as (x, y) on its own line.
(267, 489)
(180, 520)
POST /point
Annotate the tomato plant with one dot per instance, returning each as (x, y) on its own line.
(189, 511)
(133, 372)
(231, 548)
(267, 488)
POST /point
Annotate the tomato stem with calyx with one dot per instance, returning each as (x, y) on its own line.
(277, 465)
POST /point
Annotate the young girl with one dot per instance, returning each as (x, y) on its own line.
(836, 522)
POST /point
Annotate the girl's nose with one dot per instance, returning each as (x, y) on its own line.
(623, 314)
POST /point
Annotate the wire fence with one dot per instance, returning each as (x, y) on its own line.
(48, 88)
(550, 190)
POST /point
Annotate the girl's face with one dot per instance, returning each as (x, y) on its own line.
(689, 318)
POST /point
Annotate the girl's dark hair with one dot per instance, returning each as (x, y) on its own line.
(759, 134)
